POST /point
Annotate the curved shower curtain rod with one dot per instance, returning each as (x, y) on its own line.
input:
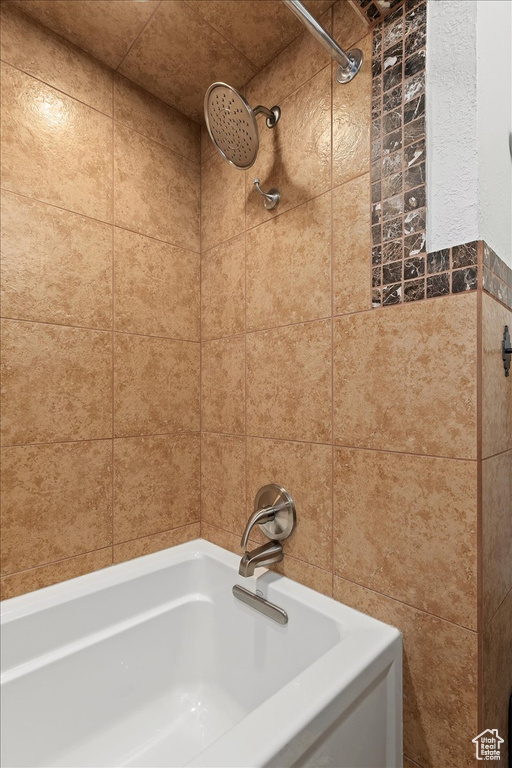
(349, 63)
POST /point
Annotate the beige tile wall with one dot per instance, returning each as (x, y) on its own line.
(368, 417)
(100, 307)
(496, 523)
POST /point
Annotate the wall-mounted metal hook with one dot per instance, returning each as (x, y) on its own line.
(271, 198)
(506, 351)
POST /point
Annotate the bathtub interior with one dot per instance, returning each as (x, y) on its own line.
(147, 671)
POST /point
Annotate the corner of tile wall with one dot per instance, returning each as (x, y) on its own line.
(84, 245)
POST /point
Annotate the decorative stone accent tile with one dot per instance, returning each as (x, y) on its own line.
(402, 270)
(496, 275)
(399, 270)
(453, 270)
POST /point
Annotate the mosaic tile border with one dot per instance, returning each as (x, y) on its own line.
(461, 268)
(398, 151)
(402, 270)
(496, 275)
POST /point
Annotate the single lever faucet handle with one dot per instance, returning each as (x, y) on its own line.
(263, 515)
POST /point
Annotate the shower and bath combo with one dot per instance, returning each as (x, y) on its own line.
(232, 123)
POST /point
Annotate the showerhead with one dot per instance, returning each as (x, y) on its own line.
(232, 124)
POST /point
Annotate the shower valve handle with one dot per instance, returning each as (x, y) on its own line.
(271, 198)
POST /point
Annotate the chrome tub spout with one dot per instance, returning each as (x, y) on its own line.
(267, 554)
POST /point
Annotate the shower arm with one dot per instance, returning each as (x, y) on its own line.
(349, 63)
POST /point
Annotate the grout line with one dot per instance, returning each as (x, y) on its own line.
(479, 511)
(409, 605)
(56, 562)
(6, 446)
(189, 433)
(53, 205)
(491, 619)
(152, 139)
(342, 315)
(55, 88)
(99, 330)
(157, 239)
(100, 549)
(166, 105)
(246, 442)
(216, 31)
(166, 147)
(494, 455)
(113, 503)
(111, 115)
(138, 36)
(101, 64)
(98, 221)
(333, 70)
(157, 533)
(339, 446)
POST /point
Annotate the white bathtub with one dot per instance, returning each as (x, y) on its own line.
(154, 663)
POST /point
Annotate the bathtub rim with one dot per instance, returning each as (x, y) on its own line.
(369, 649)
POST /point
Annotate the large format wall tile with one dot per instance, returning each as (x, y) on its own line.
(223, 385)
(38, 52)
(156, 385)
(46, 575)
(348, 25)
(57, 502)
(127, 550)
(222, 202)
(156, 190)
(274, 23)
(289, 382)
(56, 383)
(405, 378)
(496, 679)
(223, 289)
(146, 114)
(197, 54)
(306, 471)
(58, 273)
(351, 246)
(350, 121)
(223, 482)
(295, 156)
(496, 531)
(102, 28)
(157, 287)
(290, 69)
(55, 149)
(289, 267)
(56, 265)
(410, 516)
(496, 388)
(156, 484)
(439, 678)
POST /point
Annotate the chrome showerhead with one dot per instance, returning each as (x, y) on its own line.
(232, 124)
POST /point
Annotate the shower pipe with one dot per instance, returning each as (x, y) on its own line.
(349, 63)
